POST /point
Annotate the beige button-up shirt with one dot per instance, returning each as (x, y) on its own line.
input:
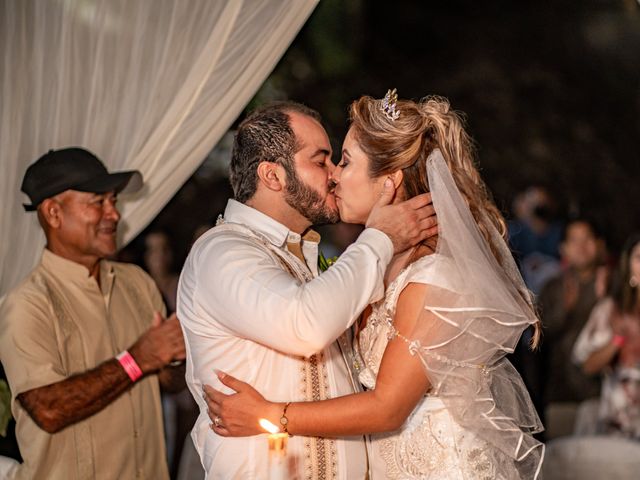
(244, 312)
(59, 322)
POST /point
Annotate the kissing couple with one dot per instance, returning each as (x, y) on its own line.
(391, 363)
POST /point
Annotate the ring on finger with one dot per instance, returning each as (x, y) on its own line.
(217, 421)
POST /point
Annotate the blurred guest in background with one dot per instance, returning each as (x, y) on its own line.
(566, 302)
(610, 344)
(159, 262)
(535, 236)
(179, 409)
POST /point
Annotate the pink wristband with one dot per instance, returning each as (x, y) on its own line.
(618, 340)
(129, 364)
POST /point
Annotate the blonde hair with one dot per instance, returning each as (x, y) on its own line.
(405, 144)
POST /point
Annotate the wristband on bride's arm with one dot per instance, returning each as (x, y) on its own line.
(129, 364)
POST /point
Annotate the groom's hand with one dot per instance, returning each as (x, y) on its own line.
(238, 414)
(407, 223)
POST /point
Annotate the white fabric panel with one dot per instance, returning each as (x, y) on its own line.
(145, 84)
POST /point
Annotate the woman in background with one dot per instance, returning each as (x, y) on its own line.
(610, 344)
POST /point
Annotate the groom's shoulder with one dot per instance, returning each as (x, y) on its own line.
(224, 233)
(227, 240)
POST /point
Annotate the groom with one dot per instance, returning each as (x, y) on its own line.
(251, 300)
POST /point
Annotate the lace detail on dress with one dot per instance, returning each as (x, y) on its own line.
(380, 330)
(431, 444)
(372, 341)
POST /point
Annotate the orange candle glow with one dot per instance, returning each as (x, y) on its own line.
(277, 442)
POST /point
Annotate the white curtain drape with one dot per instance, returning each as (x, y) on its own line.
(145, 84)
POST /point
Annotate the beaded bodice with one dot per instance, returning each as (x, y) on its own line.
(430, 444)
(372, 341)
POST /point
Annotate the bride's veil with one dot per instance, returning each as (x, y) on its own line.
(475, 310)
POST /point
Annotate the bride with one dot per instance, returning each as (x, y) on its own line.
(441, 399)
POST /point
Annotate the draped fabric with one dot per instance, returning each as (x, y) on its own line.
(145, 84)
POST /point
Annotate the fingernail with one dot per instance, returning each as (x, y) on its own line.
(219, 373)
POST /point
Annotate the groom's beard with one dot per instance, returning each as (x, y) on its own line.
(308, 201)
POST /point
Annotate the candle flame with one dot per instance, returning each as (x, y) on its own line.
(268, 426)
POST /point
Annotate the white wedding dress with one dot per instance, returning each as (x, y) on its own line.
(477, 421)
(430, 445)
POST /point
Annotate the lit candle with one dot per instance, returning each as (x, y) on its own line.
(277, 451)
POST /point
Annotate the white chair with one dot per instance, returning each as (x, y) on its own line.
(591, 458)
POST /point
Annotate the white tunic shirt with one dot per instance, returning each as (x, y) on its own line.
(243, 311)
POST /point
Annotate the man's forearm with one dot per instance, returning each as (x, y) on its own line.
(56, 406)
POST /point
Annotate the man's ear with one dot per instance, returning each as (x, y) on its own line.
(49, 212)
(271, 175)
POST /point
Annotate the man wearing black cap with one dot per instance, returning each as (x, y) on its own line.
(82, 339)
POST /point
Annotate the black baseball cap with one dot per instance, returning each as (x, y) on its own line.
(74, 168)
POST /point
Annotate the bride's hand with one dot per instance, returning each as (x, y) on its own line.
(407, 223)
(237, 414)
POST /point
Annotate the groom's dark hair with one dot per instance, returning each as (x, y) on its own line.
(264, 136)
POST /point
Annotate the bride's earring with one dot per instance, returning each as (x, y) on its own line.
(633, 282)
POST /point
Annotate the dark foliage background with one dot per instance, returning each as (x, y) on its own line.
(551, 91)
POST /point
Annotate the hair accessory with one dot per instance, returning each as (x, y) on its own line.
(388, 106)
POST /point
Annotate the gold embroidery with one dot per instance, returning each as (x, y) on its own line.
(320, 453)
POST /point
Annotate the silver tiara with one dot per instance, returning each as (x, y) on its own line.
(388, 105)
